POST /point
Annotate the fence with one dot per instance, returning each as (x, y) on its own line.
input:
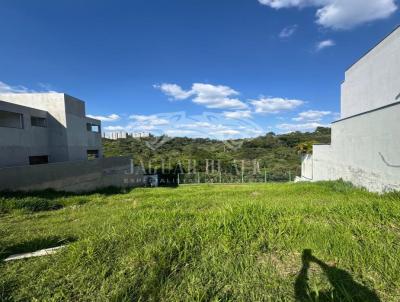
(202, 177)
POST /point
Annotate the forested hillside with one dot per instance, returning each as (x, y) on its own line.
(278, 155)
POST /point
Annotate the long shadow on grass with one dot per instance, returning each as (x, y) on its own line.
(343, 284)
(34, 245)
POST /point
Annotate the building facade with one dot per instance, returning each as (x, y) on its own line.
(365, 147)
(38, 128)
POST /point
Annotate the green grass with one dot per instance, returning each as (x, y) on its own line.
(204, 243)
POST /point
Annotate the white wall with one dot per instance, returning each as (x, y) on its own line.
(374, 81)
(307, 167)
(365, 150)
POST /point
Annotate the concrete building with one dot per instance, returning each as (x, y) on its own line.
(365, 147)
(37, 128)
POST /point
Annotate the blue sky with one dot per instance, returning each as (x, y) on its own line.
(217, 68)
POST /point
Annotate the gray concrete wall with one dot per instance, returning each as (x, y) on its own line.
(77, 176)
(79, 138)
(374, 80)
(53, 103)
(16, 145)
(66, 137)
(364, 151)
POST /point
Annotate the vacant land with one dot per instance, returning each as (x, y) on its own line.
(274, 242)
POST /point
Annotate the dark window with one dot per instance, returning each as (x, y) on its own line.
(38, 121)
(93, 128)
(11, 119)
(92, 154)
(38, 160)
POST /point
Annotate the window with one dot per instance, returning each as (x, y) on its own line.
(38, 121)
(11, 120)
(92, 154)
(38, 160)
(93, 128)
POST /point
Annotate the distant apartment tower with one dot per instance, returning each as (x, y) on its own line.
(37, 128)
(114, 135)
(365, 148)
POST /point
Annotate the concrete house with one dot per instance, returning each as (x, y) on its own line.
(38, 128)
(365, 147)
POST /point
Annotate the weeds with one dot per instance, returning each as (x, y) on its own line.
(208, 243)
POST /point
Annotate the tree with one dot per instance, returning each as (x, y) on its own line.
(305, 148)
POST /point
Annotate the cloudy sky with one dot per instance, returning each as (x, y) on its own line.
(216, 68)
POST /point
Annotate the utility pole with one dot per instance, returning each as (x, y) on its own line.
(265, 176)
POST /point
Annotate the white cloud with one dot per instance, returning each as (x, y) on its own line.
(114, 128)
(312, 115)
(181, 132)
(324, 44)
(44, 88)
(275, 105)
(208, 125)
(109, 118)
(227, 132)
(286, 3)
(237, 114)
(288, 31)
(174, 91)
(210, 96)
(47, 87)
(341, 14)
(153, 120)
(336, 115)
(219, 96)
(5, 88)
(300, 127)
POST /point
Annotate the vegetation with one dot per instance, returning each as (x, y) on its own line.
(279, 155)
(259, 242)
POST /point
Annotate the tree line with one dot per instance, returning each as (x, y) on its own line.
(275, 154)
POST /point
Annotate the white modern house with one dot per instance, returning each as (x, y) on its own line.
(38, 128)
(365, 147)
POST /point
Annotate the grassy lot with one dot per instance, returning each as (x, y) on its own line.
(274, 242)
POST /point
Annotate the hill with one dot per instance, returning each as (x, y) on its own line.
(276, 154)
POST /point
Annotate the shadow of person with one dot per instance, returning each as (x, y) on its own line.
(344, 288)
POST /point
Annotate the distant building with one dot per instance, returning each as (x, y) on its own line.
(365, 148)
(114, 135)
(37, 128)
